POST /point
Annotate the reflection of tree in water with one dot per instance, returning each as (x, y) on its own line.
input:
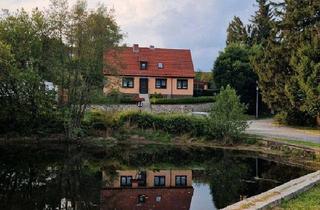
(225, 177)
(35, 179)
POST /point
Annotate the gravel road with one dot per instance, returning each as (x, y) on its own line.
(266, 128)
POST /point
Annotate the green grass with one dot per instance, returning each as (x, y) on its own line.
(309, 200)
(300, 143)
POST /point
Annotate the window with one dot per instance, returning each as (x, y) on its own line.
(160, 65)
(159, 181)
(182, 84)
(127, 82)
(125, 181)
(181, 180)
(161, 83)
(143, 65)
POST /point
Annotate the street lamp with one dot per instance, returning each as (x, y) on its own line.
(257, 100)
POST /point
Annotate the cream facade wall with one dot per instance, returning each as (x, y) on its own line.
(170, 177)
(114, 82)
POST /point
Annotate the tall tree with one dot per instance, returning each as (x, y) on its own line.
(86, 35)
(26, 101)
(232, 67)
(300, 28)
(287, 65)
(237, 32)
(262, 22)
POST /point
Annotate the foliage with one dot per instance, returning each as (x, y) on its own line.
(184, 100)
(288, 62)
(156, 95)
(176, 124)
(98, 97)
(304, 87)
(25, 102)
(88, 36)
(261, 22)
(232, 67)
(293, 117)
(102, 120)
(227, 120)
(237, 32)
(61, 45)
(204, 76)
(203, 93)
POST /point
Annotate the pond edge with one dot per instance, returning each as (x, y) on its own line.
(278, 194)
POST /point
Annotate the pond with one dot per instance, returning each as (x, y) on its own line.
(125, 177)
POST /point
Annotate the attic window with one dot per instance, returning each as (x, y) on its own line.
(143, 65)
(160, 66)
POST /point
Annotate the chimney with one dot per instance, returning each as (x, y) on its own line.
(151, 47)
(135, 48)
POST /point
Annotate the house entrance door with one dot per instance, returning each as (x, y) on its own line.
(143, 85)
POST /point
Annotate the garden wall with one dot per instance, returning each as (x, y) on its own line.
(158, 108)
(168, 108)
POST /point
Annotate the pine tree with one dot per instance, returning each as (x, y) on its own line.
(237, 32)
(288, 61)
(301, 31)
(262, 22)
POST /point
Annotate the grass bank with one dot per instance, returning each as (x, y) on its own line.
(309, 200)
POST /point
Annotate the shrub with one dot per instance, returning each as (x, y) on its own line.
(200, 92)
(101, 120)
(174, 124)
(294, 117)
(281, 117)
(156, 95)
(227, 120)
(114, 97)
(186, 100)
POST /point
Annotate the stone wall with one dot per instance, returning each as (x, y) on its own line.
(115, 107)
(169, 108)
(158, 108)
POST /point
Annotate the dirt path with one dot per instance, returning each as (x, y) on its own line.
(267, 128)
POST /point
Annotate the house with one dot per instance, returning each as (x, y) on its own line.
(134, 189)
(149, 70)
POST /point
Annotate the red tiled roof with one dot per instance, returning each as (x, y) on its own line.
(127, 198)
(125, 62)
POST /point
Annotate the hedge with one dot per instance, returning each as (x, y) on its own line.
(186, 100)
(174, 124)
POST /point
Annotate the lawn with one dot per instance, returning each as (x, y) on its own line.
(300, 143)
(309, 200)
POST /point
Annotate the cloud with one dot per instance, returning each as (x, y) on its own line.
(197, 25)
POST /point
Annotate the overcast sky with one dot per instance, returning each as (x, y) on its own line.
(199, 25)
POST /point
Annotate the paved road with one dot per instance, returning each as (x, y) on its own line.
(268, 129)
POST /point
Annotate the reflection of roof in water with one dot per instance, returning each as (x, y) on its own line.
(155, 198)
(124, 190)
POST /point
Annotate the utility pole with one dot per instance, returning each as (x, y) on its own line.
(257, 100)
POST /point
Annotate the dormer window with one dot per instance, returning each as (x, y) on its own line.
(160, 65)
(143, 65)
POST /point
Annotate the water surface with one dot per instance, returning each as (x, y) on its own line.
(132, 177)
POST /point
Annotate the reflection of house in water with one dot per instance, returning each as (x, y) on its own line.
(157, 190)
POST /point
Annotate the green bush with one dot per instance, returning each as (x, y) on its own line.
(176, 124)
(227, 120)
(156, 95)
(101, 120)
(114, 97)
(185, 100)
(294, 117)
